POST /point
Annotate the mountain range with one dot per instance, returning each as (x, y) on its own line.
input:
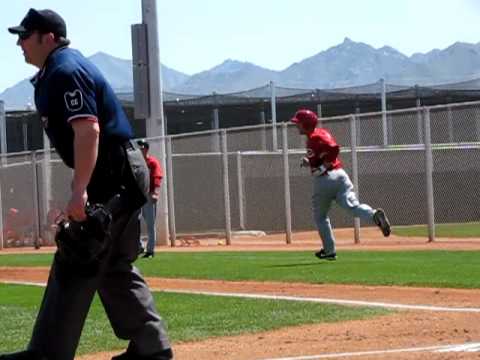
(347, 64)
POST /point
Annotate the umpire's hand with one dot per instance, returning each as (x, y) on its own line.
(76, 206)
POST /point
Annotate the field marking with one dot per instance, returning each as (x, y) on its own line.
(439, 348)
(14, 282)
(331, 301)
(299, 298)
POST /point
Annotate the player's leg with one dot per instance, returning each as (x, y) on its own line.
(127, 299)
(323, 194)
(149, 211)
(348, 200)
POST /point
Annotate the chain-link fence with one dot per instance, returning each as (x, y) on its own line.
(419, 164)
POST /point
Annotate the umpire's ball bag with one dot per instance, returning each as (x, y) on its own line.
(138, 187)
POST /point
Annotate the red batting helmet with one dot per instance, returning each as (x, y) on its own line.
(307, 118)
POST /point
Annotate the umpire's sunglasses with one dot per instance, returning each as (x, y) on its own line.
(25, 35)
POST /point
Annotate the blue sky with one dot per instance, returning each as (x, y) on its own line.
(196, 35)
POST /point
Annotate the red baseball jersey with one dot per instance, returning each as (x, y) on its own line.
(156, 172)
(322, 148)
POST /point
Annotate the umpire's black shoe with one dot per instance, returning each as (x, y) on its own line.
(382, 222)
(148, 255)
(166, 354)
(23, 355)
(322, 255)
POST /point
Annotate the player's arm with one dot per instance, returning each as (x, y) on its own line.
(86, 135)
(330, 154)
(157, 175)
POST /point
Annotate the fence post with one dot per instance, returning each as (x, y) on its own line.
(171, 192)
(429, 175)
(215, 127)
(477, 122)
(384, 111)
(1, 204)
(263, 132)
(286, 177)
(450, 124)
(241, 191)
(46, 196)
(36, 210)
(319, 114)
(226, 188)
(3, 161)
(273, 105)
(353, 148)
(3, 132)
(419, 120)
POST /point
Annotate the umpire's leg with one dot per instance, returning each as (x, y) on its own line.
(125, 296)
(62, 314)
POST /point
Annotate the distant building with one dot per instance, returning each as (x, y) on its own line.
(190, 113)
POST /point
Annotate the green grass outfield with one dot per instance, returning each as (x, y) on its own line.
(427, 268)
(463, 230)
(188, 317)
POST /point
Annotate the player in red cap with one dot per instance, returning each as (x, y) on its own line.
(331, 183)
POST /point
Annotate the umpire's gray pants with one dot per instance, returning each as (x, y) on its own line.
(125, 296)
(335, 186)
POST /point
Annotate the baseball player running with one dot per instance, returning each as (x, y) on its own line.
(331, 182)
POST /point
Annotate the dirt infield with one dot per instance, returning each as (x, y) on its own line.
(370, 239)
(450, 316)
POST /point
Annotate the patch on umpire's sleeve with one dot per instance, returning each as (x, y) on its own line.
(73, 100)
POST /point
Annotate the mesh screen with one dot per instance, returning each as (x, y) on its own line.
(264, 200)
(455, 183)
(451, 124)
(17, 183)
(198, 193)
(405, 128)
(250, 139)
(394, 181)
(369, 130)
(196, 143)
(54, 180)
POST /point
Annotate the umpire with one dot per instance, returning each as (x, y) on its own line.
(85, 123)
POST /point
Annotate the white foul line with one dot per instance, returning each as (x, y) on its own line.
(13, 282)
(332, 301)
(441, 348)
(305, 299)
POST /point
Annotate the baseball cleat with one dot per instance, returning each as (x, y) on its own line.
(382, 222)
(322, 255)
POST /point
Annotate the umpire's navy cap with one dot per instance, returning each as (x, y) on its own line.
(43, 21)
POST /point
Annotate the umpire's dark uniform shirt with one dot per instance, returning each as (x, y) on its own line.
(68, 87)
